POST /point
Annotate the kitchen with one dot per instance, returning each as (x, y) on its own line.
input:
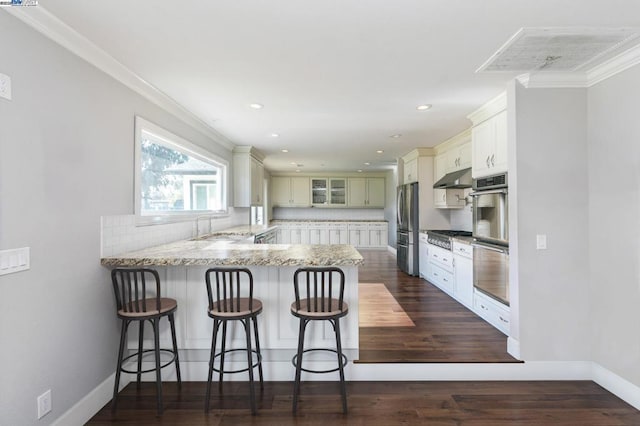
(572, 308)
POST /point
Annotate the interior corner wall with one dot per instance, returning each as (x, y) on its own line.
(391, 182)
(614, 228)
(66, 159)
(552, 199)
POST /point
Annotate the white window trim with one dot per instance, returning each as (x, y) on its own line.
(174, 141)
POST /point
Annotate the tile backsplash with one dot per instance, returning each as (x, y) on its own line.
(119, 234)
(284, 213)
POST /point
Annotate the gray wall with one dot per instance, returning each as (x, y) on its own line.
(549, 195)
(66, 158)
(614, 227)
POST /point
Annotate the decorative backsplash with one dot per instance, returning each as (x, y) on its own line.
(120, 234)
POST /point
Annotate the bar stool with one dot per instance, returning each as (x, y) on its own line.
(138, 298)
(228, 304)
(320, 301)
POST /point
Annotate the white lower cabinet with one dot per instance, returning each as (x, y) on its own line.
(440, 268)
(358, 234)
(463, 270)
(492, 311)
(338, 233)
(423, 251)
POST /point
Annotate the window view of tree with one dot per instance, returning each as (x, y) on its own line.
(174, 181)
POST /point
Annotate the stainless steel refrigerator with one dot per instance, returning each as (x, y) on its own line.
(408, 228)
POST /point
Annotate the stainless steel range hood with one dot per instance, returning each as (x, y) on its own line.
(459, 179)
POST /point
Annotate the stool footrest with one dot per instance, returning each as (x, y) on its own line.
(253, 351)
(173, 358)
(343, 360)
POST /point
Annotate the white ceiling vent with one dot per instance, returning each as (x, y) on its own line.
(560, 49)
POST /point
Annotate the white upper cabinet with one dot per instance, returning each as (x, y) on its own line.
(489, 138)
(441, 166)
(411, 171)
(248, 177)
(457, 158)
(290, 191)
(366, 192)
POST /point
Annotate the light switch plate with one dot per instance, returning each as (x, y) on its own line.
(14, 260)
(541, 242)
(5, 86)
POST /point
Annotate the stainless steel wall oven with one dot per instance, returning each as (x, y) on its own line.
(491, 234)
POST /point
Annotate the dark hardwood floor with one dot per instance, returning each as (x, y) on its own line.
(444, 331)
(378, 404)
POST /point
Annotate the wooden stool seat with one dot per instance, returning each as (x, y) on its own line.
(305, 311)
(167, 306)
(244, 307)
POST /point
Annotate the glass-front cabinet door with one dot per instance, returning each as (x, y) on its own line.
(338, 189)
(319, 191)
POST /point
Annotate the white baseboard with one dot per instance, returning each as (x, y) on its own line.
(87, 407)
(513, 347)
(392, 250)
(615, 384)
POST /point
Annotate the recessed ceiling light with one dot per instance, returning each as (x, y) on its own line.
(293, 163)
(298, 171)
(423, 107)
(367, 164)
(359, 170)
(275, 135)
(284, 150)
(396, 136)
(379, 151)
(256, 106)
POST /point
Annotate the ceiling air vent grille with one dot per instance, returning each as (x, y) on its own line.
(560, 49)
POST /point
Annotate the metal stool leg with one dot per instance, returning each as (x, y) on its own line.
(296, 386)
(252, 392)
(255, 331)
(123, 337)
(216, 324)
(156, 332)
(175, 349)
(343, 388)
(140, 347)
(223, 348)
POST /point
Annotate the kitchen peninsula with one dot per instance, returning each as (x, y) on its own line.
(182, 267)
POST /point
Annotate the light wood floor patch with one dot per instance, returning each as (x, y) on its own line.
(378, 308)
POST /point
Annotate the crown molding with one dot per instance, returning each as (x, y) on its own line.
(582, 79)
(615, 65)
(50, 26)
(489, 109)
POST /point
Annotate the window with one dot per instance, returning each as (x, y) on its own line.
(175, 177)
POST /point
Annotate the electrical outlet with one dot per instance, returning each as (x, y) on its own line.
(44, 404)
(5, 86)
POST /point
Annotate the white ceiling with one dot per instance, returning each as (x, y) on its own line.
(337, 78)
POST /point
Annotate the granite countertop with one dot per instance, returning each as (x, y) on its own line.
(207, 252)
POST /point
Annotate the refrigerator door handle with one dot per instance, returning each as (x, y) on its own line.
(399, 206)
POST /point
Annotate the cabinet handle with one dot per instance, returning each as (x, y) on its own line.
(503, 320)
(488, 165)
(484, 307)
(492, 160)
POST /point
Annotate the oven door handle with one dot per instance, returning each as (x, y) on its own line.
(490, 191)
(492, 248)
